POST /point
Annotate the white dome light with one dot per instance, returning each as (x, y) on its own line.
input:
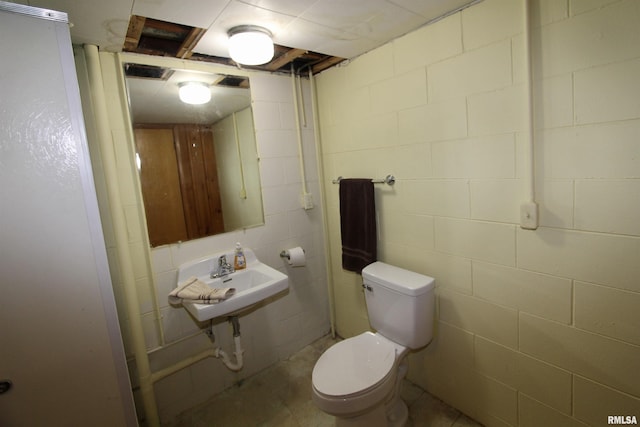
(194, 93)
(250, 45)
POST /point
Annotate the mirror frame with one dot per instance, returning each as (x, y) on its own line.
(177, 63)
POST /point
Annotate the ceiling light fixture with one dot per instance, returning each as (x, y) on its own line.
(194, 93)
(250, 45)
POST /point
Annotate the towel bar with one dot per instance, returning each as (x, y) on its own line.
(389, 179)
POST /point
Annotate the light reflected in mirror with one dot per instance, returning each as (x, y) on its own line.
(198, 164)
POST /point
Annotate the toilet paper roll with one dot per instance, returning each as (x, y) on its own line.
(296, 257)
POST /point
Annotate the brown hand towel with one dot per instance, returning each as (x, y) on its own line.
(196, 291)
(357, 224)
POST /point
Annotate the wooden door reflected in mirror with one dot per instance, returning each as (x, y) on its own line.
(179, 180)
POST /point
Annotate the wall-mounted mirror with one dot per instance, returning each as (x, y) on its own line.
(198, 164)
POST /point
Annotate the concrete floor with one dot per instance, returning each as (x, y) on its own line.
(280, 396)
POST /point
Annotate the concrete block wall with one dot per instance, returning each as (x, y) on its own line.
(533, 327)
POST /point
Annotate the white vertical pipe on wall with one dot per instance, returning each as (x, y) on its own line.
(83, 80)
(120, 230)
(325, 223)
(145, 234)
(529, 209)
(307, 202)
(300, 99)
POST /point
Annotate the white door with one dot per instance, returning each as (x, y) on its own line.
(61, 354)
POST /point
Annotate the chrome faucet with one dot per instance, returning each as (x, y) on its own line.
(223, 269)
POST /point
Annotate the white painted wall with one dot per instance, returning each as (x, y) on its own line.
(533, 327)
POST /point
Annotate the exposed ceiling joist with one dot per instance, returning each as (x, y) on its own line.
(285, 59)
(134, 32)
(326, 63)
(186, 49)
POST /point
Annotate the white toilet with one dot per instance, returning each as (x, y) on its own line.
(358, 380)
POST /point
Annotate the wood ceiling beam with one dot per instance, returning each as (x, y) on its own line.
(186, 48)
(284, 59)
(134, 32)
(327, 63)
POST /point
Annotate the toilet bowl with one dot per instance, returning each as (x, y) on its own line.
(358, 380)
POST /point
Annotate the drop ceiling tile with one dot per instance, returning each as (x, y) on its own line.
(214, 43)
(195, 13)
(347, 48)
(432, 9)
(215, 40)
(330, 41)
(343, 14)
(101, 23)
(373, 19)
(287, 7)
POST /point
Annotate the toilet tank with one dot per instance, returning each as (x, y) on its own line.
(400, 303)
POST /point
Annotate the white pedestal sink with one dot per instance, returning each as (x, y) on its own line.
(253, 284)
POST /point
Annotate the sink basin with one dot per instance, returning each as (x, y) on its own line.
(253, 284)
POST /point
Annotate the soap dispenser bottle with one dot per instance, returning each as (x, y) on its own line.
(239, 261)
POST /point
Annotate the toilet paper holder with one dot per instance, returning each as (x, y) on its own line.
(285, 254)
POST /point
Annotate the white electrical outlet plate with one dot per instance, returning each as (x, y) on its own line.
(307, 201)
(529, 215)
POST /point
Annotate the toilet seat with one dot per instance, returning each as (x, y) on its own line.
(354, 366)
(355, 375)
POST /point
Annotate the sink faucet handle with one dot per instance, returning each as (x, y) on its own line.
(222, 262)
(223, 269)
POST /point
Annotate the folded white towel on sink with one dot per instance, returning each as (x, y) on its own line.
(196, 291)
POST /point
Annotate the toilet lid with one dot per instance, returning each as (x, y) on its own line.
(353, 365)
